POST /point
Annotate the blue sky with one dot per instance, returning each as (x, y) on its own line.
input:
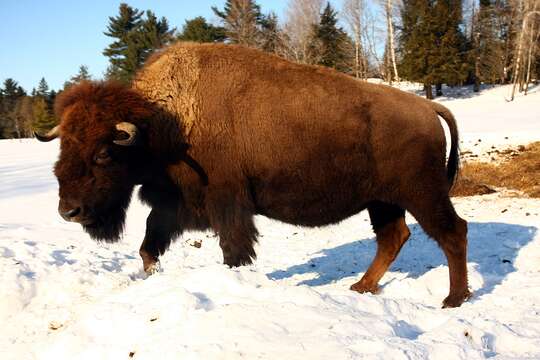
(51, 38)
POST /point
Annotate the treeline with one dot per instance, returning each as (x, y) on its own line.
(433, 42)
(21, 114)
(443, 42)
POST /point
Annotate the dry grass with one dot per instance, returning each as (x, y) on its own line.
(521, 172)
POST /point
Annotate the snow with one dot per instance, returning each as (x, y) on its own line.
(67, 297)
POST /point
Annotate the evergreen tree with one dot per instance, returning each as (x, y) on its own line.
(417, 42)
(432, 45)
(155, 33)
(82, 75)
(125, 53)
(51, 99)
(42, 105)
(242, 20)
(21, 91)
(488, 44)
(331, 40)
(199, 30)
(12, 89)
(43, 88)
(10, 95)
(449, 65)
(136, 39)
(43, 118)
(270, 33)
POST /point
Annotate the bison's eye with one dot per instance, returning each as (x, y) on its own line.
(102, 157)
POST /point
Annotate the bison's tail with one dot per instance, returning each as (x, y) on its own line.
(453, 158)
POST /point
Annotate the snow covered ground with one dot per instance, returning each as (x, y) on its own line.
(64, 296)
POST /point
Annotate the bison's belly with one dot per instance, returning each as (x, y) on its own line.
(314, 214)
(311, 201)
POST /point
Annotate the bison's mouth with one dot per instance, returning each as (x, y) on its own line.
(104, 220)
(86, 222)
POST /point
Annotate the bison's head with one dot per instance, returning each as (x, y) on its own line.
(102, 134)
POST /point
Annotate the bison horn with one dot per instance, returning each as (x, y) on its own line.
(131, 130)
(51, 135)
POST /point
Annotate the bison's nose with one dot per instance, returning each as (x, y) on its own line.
(70, 214)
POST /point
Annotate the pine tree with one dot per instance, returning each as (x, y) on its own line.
(155, 33)
(51, 99)
(242, 20)
(82, 75)
(42, 105)
(449, 65)
(136, 39)
(432, 45)
(125, 53)
(43, 118)
(199, 30)
(12, 89)
(48, 95)
(10, 95)
(43, 88)
(331, 40)
(270, 33)
(488, 45)
(418, 43)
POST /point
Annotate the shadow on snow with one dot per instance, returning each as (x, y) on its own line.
(493, 246)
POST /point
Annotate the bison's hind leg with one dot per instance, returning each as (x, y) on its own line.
(231, 216)
(392, 232)
(439, 220)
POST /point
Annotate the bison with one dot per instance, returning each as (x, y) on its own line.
(216, 134)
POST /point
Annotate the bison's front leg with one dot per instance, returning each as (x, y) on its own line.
(161, 226)
(237, 244)
(231, 217)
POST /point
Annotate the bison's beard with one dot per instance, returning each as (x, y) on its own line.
(109, 224)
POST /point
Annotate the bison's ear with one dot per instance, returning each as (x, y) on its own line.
(129, 134)
(51, 135)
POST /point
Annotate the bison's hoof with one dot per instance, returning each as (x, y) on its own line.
(363, 288)
(455, 300)
(152, 268)
(238, 261)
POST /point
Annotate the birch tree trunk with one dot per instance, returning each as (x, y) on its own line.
(390, 31)
(353, 12)
(301, 16)
(532, 44)
(519, 52)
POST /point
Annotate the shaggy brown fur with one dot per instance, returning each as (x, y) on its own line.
(228, 132)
